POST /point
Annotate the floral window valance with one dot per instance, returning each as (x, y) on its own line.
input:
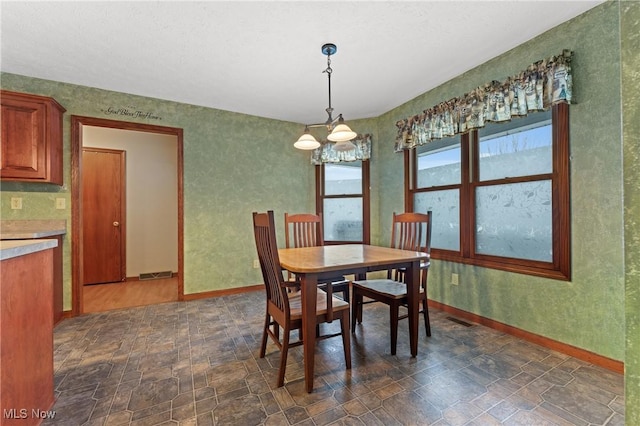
(327, 154)
(541, 85)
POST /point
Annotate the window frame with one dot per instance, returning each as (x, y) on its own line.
(560, 266)
(365, 195)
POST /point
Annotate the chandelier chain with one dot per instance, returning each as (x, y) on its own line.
(339, 132)
(329, 110)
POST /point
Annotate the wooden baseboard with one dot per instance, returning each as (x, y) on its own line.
(65, 315)
(225, 292)
(582, 354)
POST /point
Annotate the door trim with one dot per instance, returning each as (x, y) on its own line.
(76, 211)
(123, 207)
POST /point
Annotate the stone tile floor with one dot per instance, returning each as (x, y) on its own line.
(196, 363)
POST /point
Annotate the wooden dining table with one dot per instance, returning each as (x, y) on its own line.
(312, 264)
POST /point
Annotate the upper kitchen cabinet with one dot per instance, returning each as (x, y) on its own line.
(31, 138)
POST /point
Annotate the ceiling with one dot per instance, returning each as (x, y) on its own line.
(263, 58)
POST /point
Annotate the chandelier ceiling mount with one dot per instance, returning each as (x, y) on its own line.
(339, 132)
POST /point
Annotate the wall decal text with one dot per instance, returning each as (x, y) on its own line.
(131, 112)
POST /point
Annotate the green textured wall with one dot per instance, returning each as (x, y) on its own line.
(630, 47)
(226, 178)
(588, 311)
(234, 164)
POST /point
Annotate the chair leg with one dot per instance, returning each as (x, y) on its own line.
(425, 312)
(345, 294)
(357, 299)
(263, 345)
(283, 355)
(346, 340)
(393, 320)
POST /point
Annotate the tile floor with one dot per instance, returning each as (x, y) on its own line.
(196, 363)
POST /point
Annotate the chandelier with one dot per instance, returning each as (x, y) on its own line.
(339, 132)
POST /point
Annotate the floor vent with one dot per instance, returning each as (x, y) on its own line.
(459, 321)
(155, 275)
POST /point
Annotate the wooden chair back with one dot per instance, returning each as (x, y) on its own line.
(303, 230)
(411, 231)
(265, 235)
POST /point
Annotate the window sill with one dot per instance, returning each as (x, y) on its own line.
(536, 269)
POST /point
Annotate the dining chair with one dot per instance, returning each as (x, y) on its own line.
(284, 309)
(410, 231)
(305, 230)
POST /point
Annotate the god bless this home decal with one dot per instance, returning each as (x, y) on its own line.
(132, 112)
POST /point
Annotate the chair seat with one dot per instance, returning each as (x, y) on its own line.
(295, 304)
(338, 285)
(337, 280)
(423, 265)
(389, 288)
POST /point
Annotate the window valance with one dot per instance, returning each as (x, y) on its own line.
(327, 154)
(537, 88)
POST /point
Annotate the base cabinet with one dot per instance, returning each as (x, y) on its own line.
(58, 291)
(31, 138)
(26, 338)
(39, 229)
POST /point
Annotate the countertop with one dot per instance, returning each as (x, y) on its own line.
(26, 229)
(15, 248)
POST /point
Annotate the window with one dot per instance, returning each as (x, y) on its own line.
(513, 219)
(342, 196)
(499, 195)
(439, 172)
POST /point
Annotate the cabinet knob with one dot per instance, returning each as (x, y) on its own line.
(116, 223)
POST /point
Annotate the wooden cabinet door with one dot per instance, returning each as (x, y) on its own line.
(23, 139)
(31, 138)
(103, 215)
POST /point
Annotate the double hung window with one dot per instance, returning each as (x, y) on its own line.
(342, 196)
(499, 195)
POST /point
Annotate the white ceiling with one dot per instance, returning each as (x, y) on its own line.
(263, 58)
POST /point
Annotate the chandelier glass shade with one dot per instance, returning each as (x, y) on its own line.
(339, 132)
(307, 141)
(344, 146)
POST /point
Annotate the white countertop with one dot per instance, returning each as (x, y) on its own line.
(25, 229)
(15, 248)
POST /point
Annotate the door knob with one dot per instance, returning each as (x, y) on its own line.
(116, 223)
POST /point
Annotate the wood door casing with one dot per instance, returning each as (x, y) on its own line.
(103, 215)
(77, 267)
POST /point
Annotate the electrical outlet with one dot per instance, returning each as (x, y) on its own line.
(61, 203)
(454, 279)
(16, 203)
(256, 263)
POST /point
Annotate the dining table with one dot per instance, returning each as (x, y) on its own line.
(312, 264)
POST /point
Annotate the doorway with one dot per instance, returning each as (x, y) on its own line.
(80, 127)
